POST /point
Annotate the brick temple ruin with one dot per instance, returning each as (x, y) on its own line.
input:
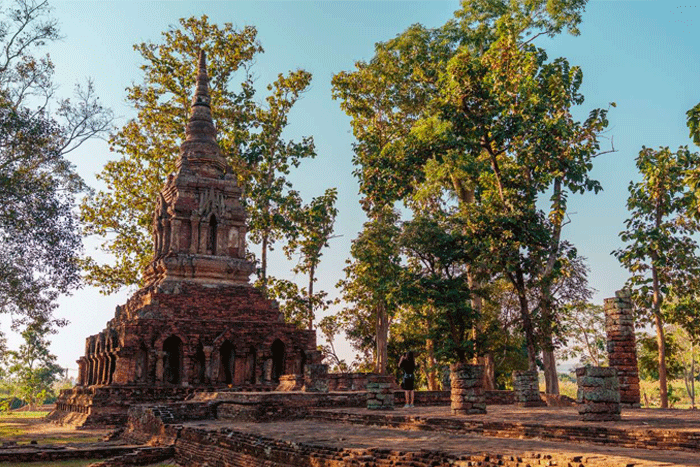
(197, 324)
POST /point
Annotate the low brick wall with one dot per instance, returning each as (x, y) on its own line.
(348, 381)
(141, 456)
(152, 424)
(97, 406)
(196, 447)
(46, 454)
(280, 406)
(648, 438)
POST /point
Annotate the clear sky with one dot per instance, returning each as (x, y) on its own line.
(643, 55)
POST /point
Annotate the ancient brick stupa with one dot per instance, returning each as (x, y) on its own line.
(198, 324)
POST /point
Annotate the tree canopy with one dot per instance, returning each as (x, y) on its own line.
(39, 237)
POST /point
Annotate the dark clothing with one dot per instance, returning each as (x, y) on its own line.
(409, 367)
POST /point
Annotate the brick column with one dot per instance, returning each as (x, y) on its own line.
(208, 349)
(467, 391)
(160, 355)
(315, 378)
(622, 351)
(598, 394)
(380, 393)
(82, 372)
(526, 386)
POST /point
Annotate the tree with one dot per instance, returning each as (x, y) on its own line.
(436, 281)
(32, 368)
(272, 204)
(660, 251)
(39, 241)
(371, 281)
(475, 110)
(313, 228)
(584, 332)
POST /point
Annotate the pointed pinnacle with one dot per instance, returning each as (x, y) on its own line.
(201, 94)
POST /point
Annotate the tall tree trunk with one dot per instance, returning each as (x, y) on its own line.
(550, 370)
(431, 372)
(663, 387)
(489, 372)
(656, 306)
(311, 296)
(519, 282)
(382, 340)
(263, 264)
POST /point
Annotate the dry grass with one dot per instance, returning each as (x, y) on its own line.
(648, 388)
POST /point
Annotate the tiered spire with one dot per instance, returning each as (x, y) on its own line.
(200, 147)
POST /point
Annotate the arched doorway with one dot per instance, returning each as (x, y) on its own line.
(227, 355)
(277, 360)
(172, 364)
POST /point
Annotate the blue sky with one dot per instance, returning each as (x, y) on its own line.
(642, 55)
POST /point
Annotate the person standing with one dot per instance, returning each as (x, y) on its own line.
(408, 364)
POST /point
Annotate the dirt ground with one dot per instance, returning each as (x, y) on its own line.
(28, 427)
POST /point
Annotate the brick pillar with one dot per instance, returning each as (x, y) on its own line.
(526, 386)
(125, 368)
(160, 355)
(208, 349)
(380, 392)
(622, 351)
(315, 378)
(467, 391)
(82, 372)
(598, 394)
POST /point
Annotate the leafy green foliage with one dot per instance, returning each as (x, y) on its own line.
(648, 357)
(371, 284)
(32, 368)
(694, 123)
(473, 119)
(661, 251)
(39, 242)
(313, 227)
(584, 332)
(436, 281)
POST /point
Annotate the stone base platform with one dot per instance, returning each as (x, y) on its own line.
(657, 429)
(506, 436)
(107, 406)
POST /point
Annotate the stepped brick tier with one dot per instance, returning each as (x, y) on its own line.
(197, 324)
(598, 394)
(622, 350)
(526, 387)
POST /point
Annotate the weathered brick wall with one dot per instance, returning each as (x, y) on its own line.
(622, 351)
(228, 448)
(649, 438)
(347, 381)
